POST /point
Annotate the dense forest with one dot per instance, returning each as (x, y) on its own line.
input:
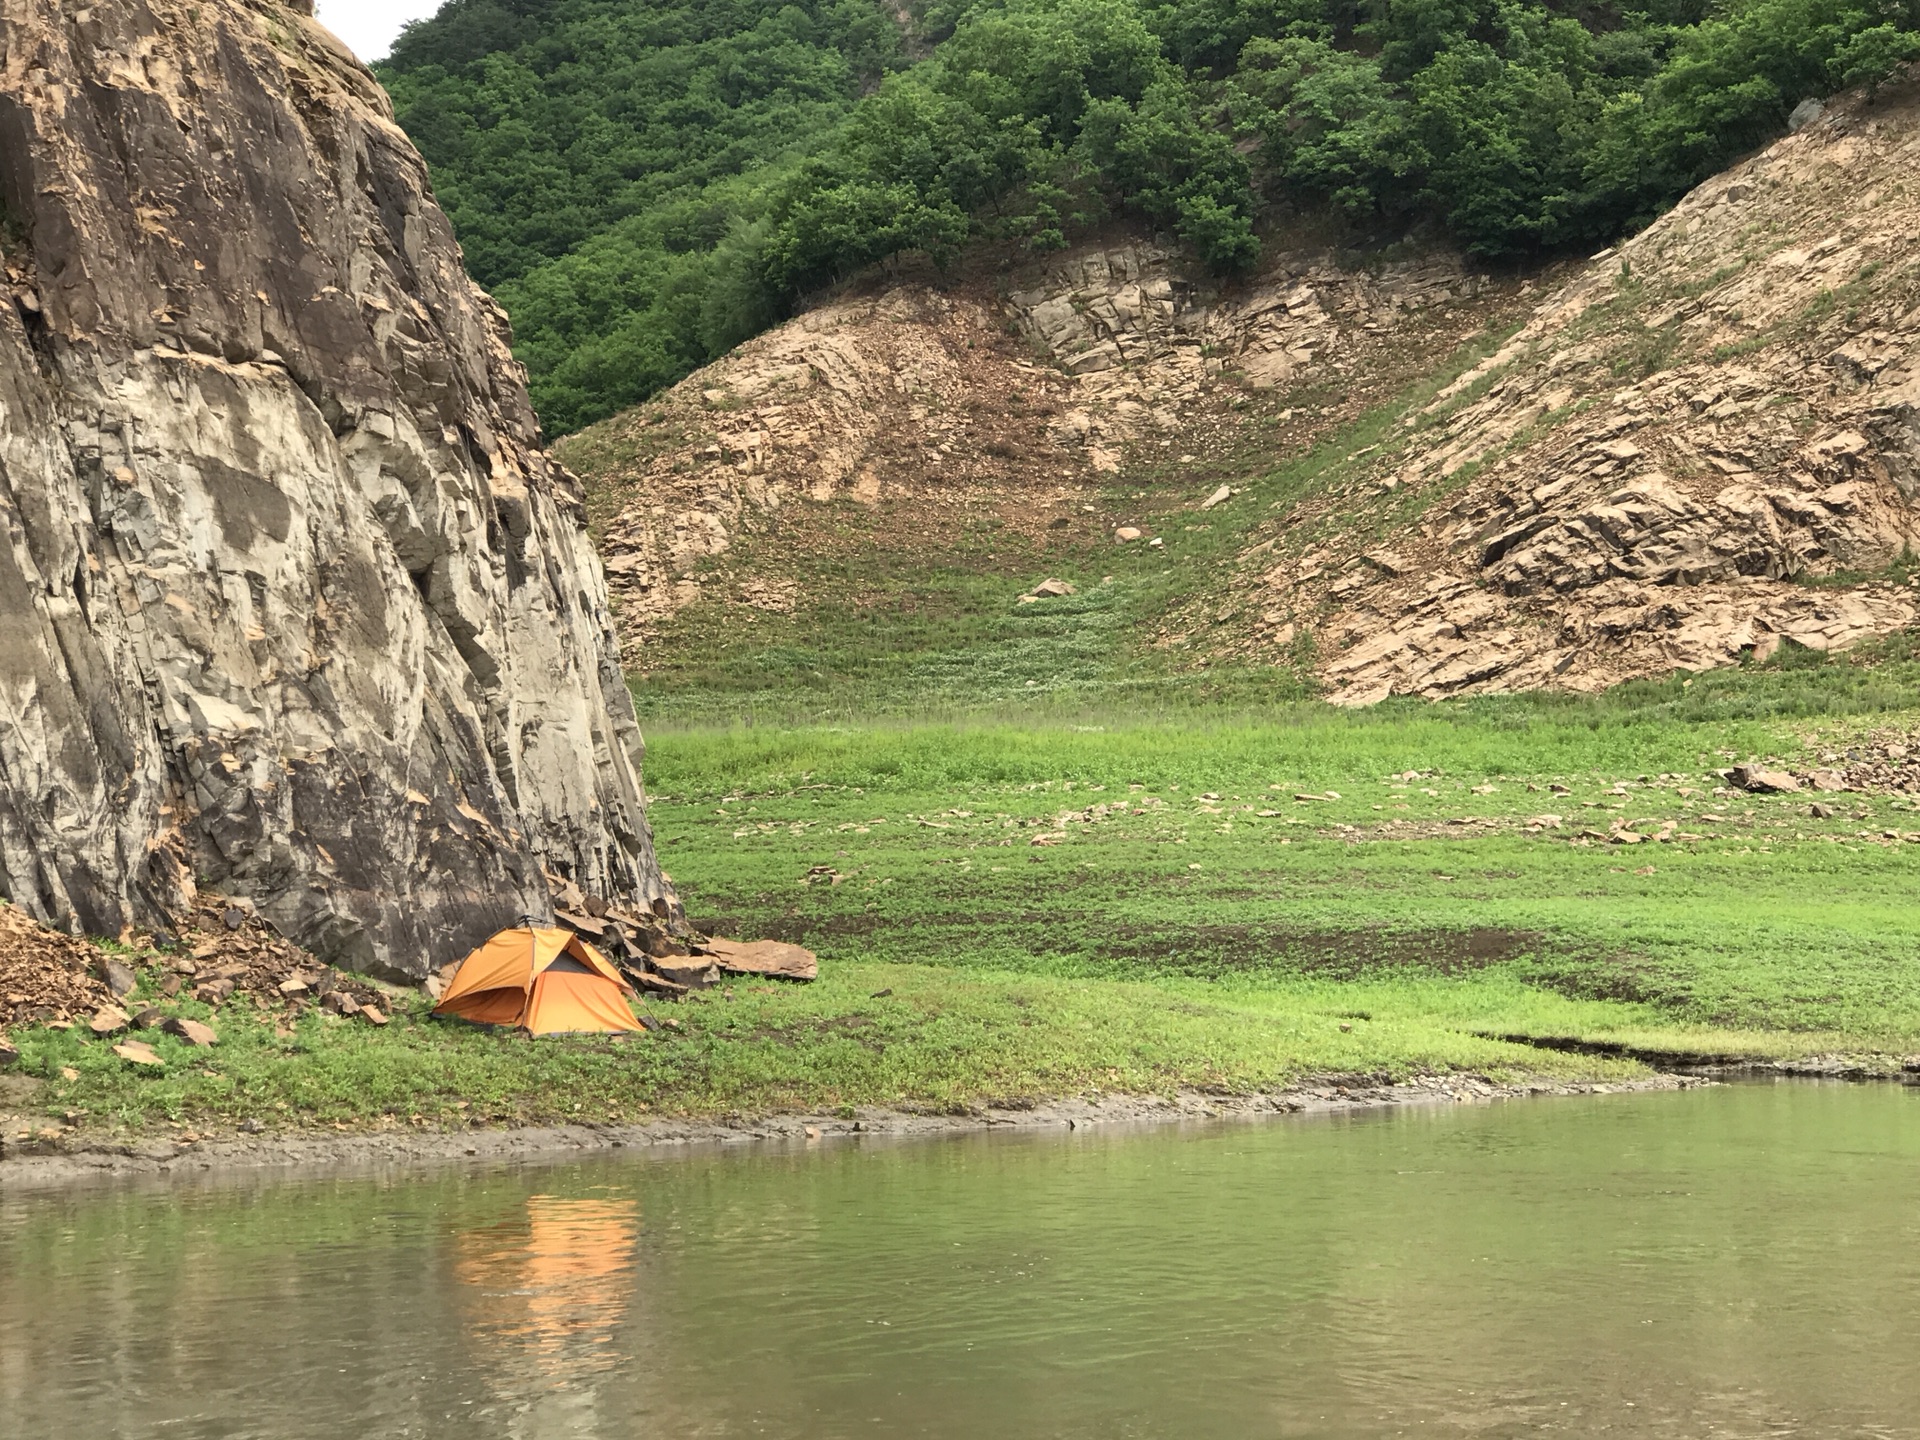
(644, 185)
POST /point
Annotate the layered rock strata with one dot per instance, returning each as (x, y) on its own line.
(1706, 446)
(1021, 401)
(294, 604)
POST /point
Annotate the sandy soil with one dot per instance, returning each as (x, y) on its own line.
(79, 1159)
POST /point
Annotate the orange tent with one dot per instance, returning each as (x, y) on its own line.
(547, 982)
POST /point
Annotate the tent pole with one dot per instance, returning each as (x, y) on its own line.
(533, 970)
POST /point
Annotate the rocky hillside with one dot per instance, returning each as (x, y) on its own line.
(296, 606)
(1690, 450)
(1705, 446)
(1032, 398)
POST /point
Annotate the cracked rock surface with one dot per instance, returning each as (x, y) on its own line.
(1704, 447)
(295, 605)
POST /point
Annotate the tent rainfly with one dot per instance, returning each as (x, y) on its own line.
(545, 981)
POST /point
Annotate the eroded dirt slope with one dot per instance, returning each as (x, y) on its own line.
(1694, 448)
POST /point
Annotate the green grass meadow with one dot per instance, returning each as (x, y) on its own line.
(869, 779)
(1439, 883)
(1186, 920)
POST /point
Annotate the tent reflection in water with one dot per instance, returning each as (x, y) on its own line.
(544, 981)
(553, 1285)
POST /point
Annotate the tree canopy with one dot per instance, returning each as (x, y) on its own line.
(646, 185)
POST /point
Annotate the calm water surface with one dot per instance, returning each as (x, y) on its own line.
(1732, 1262)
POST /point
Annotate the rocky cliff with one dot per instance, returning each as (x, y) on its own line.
(294, 604)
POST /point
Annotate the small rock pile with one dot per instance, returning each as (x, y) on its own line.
(1884, 760)
(659, 952)
(225, 950)
(228, 950)
(45, 975)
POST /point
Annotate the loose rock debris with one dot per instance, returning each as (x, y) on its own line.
(660, 961)
(48, 978)
(226, 950)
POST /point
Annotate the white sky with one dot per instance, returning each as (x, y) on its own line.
(370, 26)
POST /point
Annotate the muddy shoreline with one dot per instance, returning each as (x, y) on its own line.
(81, 1160)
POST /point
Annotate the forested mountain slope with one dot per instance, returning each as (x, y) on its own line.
(646, 186)
(1415, 477)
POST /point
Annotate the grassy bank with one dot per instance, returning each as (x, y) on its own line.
(1438, 880)
(1184, 919)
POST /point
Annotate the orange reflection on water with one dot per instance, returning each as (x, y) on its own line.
(556, 1286)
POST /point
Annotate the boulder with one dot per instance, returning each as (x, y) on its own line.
(655, 984)
(1125, 533)
(1047, 589)
(764, 957)
(581, 924)
(1761, 780)
(1388, 562)
(693, 972)
(659, 945)
(108, 1020)
(194, 1032)
(138, 1052)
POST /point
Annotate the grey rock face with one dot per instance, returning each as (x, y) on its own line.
(292, 604)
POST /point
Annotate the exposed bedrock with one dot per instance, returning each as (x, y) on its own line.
(1701, 449)
(292, 604)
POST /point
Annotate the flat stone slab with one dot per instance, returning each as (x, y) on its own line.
(764, 957)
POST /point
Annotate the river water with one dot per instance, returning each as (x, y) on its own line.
(1739, 1261)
